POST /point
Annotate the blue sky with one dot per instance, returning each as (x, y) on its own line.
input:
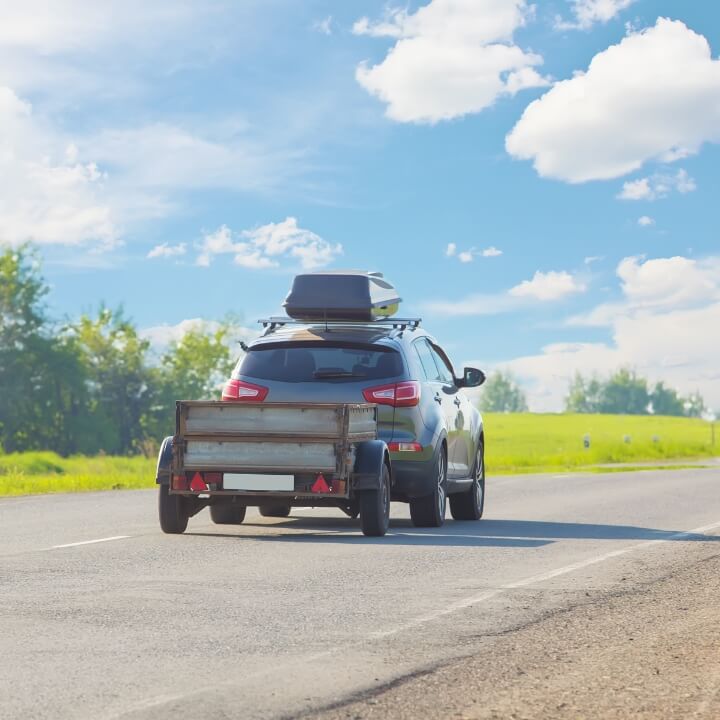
(539, 181)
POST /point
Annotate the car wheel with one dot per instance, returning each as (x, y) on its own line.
(227, 514)
(173, 511)
(375, 507)
(276, 510)
(469, 505)
(429, 511)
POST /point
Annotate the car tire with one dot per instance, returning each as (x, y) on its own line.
(227, 514)
(469, 505)
(275, 510)
(429, 511)
(173, 511)
(375, 507)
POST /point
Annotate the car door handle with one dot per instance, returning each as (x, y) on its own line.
(457, 402)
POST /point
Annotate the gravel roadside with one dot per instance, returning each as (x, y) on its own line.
(653, 652)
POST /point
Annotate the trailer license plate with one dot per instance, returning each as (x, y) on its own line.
(247, 481)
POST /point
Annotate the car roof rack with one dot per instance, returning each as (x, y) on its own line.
(272, 323)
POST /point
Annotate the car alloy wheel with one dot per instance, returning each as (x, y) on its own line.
(441, 494)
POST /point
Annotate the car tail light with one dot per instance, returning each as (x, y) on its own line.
(402, 394)
(241, 391)
(405, 447)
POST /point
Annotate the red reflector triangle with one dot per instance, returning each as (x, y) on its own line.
(197, 484)
(320, 485)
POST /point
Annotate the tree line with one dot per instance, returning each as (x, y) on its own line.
(92, 385)
(623, 393)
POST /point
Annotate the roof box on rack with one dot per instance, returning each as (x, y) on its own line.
(341, 295)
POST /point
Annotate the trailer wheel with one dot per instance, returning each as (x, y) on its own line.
(276, 510)
(375, 507)
(227, 514)
(173, 511)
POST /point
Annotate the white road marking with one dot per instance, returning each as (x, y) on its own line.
(89, 542)
(467, 602)
(160, 700)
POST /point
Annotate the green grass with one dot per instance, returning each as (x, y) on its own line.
(45, 472)
(525, 442)
(516, 443)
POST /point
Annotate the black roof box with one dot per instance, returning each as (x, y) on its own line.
(341, 295)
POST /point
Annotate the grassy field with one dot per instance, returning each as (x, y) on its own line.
(525, 442)
(517, 443)
(45, 472)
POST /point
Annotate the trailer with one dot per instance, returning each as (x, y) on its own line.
(230, 456)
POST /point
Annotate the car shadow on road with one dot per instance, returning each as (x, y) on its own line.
(486, 533)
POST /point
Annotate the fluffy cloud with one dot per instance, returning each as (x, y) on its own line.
(664, 327)
(467, 256)
(543, 287)
(654, 96)
(548, 286)
(266, 246)
(645, 221)
(165, 250)
(658, 186)
(589, 12)
(492, 251)
(47, 194)
(451, 58)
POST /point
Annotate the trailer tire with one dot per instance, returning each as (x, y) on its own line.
(276, 510)
(227, 514)
(375, 507)
(173, 511)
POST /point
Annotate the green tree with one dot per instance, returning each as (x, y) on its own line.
(193, 368)
(584, 395)
(113, 356)
(502, 394)
(694, 405)
(625, 394)
(41, 383)
(665, 401)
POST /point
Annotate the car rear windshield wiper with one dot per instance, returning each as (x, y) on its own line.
(320, 374)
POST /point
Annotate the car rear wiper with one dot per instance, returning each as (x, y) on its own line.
(322, 374)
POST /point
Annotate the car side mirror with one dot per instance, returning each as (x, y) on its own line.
(472, 377)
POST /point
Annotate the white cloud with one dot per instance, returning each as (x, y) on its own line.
(467, 256)
(492, 251)
(548, 286)
(654, 96)
(324, 26)
(162, 336)
(664, 327)
(589, 12)
(543, 287)
(165, 250)
(658, 186)
(268, 245)
(645, 221)
(451, 58)
(590, 259)
(47, 195)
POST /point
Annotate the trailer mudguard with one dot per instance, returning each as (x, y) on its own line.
(164, 463)
(369, 459)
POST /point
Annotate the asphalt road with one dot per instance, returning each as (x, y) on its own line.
(103, 616)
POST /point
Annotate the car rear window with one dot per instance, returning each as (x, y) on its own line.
(312, 362)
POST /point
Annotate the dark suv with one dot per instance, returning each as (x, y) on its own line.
(433, 432)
